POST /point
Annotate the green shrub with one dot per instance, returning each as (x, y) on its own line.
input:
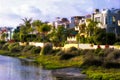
(101, 53)
(67, 56)
(87, 51)
(107, 51)
(91, 60)
(47, 49)
(72, 49)
(35, 50)
(113, 56)
(117, 43)
(97, 51)
(59, 53)
(27, 48)
(12, 45)
(5, 46)
(15, 47)
(2, 43)
(109, 64)
(116, 54)
(56, 51)
(70, 53)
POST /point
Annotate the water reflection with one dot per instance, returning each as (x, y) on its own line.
(15, 69)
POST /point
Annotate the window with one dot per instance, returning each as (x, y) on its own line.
(118, 22)
(97, 19)
(106, 20)
(113, 20)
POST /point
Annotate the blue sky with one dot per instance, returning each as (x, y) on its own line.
(12, 11)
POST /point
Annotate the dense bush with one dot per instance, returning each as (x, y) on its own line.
(15, 47)
(2, 43)
(97, 51)
(113, 55)
(107, 51)
(5, 46)
(47, 49)
(57, 52)
(72, 49)
(116, 54)
(101, 53)
(117, 43)
(109, 64)
(67, 56)
(35, 50)
(108, 58)
(91, 60)
(70, 53)
(27, 48)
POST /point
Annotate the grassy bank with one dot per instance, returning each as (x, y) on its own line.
(54, 62)
(101, 73)
(99, 64)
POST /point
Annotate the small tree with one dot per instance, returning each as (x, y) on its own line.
(4, 36)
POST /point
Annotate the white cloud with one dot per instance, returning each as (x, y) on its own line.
(11, 11)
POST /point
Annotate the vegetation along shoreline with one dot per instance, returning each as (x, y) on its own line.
(96, 63)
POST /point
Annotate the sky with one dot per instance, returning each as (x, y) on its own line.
(13, 11)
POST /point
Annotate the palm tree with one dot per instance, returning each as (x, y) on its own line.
(25, 28)
(42, 28)
(27, 23)
(36, 24)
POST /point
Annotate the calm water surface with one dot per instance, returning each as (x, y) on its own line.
(17, 69)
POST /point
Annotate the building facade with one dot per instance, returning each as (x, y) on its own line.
(61, 22)
(108, 19)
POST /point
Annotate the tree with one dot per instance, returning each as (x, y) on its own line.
(82, 28)
(4, 36)
(110, 38)
(36, 23)
(27, 22)
(23, 33)
(91, 27)
(16, 36)
(42, 29)
(59, 36)
(101, 37)
(25, 29)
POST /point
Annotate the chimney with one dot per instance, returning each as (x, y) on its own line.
(96, 11)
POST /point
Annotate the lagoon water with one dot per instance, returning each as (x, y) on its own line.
(17, 69)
